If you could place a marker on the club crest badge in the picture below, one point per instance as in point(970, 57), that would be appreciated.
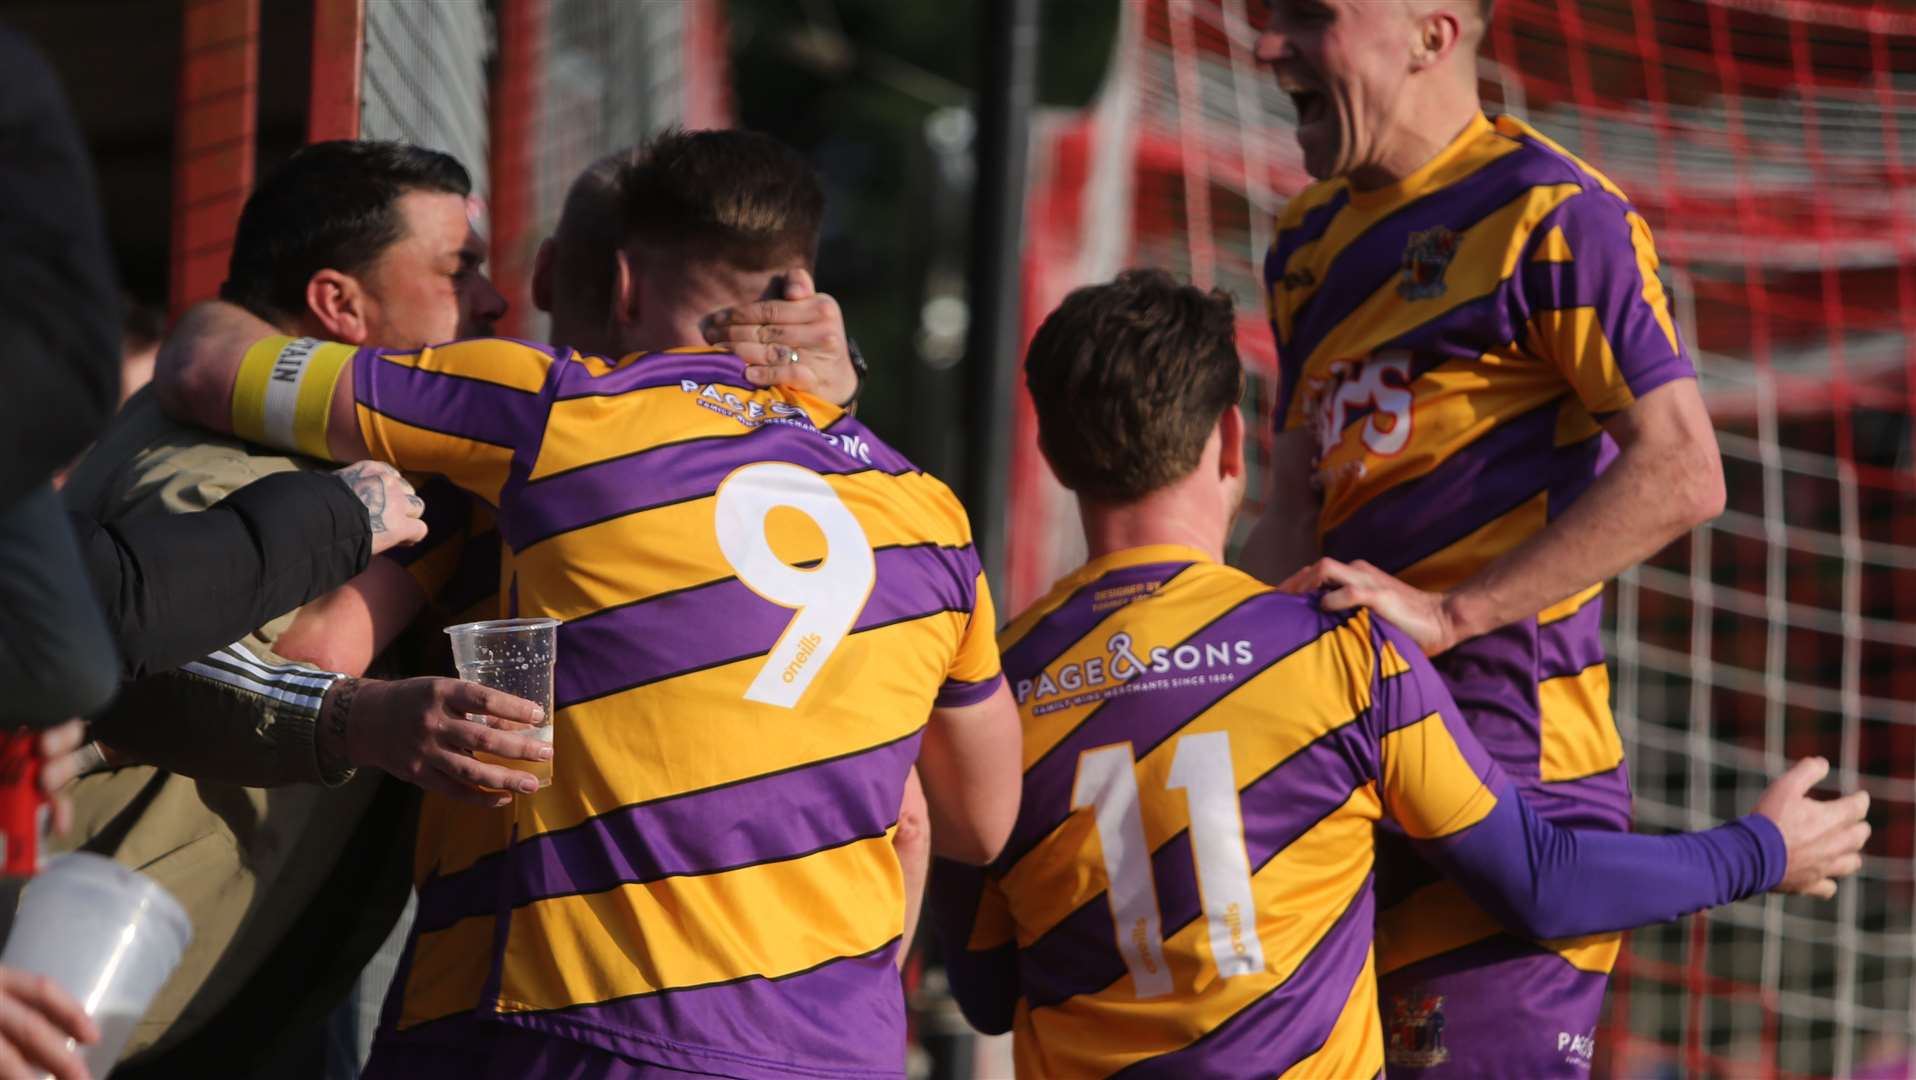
point(1414, 1031)
point(1426, 257)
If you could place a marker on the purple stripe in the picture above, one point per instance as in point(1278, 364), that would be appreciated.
point(957, 693)
point(1493, 679)
point(846, 1017)
point(1601, 801)
point(1311, 228)
point(1056, 633)
point(1375, 258)
point(781, 816)
point(455, 405)
point(696, 628)
point(1477, 484)
point(1577, 467)
point(664, 475)
point(654, 370)
point(1276, 624)
point(1571, 644)
point(883, 457)
point(1079, 955)
point(1291, 1022)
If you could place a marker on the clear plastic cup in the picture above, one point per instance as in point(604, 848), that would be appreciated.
point(516, 656)
point(108, 935)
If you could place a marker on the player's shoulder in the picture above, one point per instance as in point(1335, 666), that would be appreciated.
point(1540, 161)
point(512, 363)
point(1320, 199)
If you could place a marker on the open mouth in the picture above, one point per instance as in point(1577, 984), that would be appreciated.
point(1311, 106)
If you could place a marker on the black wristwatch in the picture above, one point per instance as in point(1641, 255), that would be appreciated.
point(859, 368)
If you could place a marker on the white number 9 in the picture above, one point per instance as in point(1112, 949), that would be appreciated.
point(828, 598)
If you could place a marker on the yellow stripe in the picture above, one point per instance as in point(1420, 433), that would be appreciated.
point(1390, 662)
point(448, 972)
point(313, 410)
point(696, 731)
point(1514, 128)
point(453, 835)
point(1355, 1047)
point(1564, 609)
point(475, 466)
point(596, 567)
point(1065, 587)
point(977, 658)
point(1456, 404)
point(1578, 736)
point(640, 939)
point(1429, 786)
point(249, 387)
point(992, 926)
point(1300, 894)
point(1553, 248)
point(1322, 687)
point(494, 360)
point(1351, 222)
point(1453, 565)
point(1439, 918)
point(1487, 253)
point(1653, 297)
point(1574, 341)
point(585, 430)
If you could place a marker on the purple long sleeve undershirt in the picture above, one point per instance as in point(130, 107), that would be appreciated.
point(1549, 882)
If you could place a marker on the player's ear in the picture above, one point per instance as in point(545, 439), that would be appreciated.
point(625, 290)
point(339, 304)
point(542, 277)
point(1230, 449)
point(1437, 33)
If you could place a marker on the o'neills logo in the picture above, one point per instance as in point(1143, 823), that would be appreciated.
point(807, 645)
point(1126, 669)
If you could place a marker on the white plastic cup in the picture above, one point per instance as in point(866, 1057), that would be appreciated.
point(107, 935)
point(517, 657)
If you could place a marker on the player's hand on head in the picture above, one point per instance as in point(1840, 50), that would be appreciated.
point(798, 342)
point(1420, 614)
point(37, 1020)
point(396, 511)
point(1824, 836)
point(417, 730)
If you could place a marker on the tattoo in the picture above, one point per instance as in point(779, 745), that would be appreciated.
point(370, 489)
point(339, 705)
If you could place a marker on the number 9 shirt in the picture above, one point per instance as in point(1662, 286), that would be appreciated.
point(761, 603)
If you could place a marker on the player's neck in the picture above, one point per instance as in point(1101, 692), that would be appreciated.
point(1169, 516)
point(1423, 132)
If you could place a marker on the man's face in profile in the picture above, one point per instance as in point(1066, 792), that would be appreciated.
point(428, 287)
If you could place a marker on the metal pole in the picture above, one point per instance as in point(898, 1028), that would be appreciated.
point(993, 337)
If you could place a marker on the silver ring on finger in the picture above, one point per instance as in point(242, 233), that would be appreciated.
point(784, 354)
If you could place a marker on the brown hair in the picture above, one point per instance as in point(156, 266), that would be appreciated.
point(738, 197)
point(1128, 379)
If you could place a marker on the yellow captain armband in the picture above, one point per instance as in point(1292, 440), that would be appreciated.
point(284, 396)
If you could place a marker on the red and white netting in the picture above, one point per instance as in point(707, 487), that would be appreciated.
point(1771, 144)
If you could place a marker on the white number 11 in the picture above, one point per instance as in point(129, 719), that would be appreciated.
point(1108, 784)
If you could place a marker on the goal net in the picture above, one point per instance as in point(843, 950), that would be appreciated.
point(1771, 144)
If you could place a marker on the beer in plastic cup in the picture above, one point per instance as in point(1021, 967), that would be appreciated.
point(515, 656)
point(107, 935)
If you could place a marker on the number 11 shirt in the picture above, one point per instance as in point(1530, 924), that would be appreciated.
point(762, 602)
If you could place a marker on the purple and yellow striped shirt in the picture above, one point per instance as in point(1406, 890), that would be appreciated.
point(1452, 343)
point(1188, 890)
point(762, 602)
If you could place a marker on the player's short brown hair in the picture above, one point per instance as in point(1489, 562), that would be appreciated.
point(744, 199)
point(1128, 379)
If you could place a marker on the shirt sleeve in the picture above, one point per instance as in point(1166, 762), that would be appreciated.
point(975, 671)
point(1465, 817)
point(1596, 309)
point(465, 410)
point(973, 924)
point(1434, 777)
